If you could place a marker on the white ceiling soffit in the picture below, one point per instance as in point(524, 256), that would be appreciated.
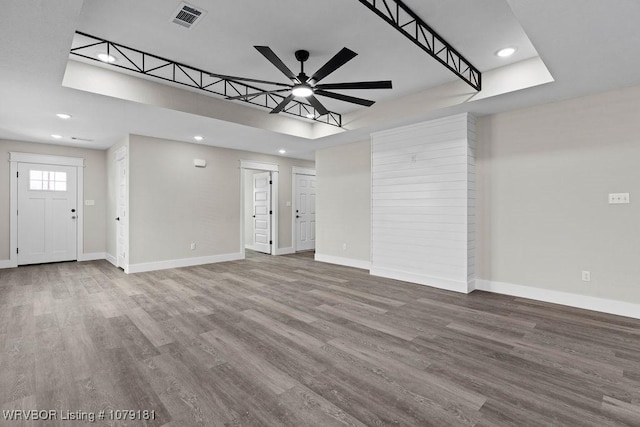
point(128, 86)
point(475, 30)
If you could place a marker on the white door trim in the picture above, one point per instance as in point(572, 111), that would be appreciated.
point(267, 167)
point(296, 170)
point(14, 159)
point(45, 159)
point(261, 166)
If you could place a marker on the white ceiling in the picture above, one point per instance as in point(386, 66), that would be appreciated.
point(587, 45)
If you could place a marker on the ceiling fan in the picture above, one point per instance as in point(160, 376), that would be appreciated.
point(303, 86)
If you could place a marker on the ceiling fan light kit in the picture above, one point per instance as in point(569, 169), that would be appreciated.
point(303, 86)
point(302, 91)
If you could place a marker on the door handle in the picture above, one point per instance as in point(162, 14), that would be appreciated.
point(254, 216)
point(118, 219)
point(297, 216)
point(73, 210)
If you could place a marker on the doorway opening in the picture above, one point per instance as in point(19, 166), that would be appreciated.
point(259, 207)
point(304, 209)
point(46, 204)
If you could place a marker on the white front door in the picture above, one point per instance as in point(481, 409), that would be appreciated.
point(262, 212)
point(305, 212)
point(47, 213)
point(121, 204)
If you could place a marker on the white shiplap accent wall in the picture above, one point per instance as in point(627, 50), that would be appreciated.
point(422, 203)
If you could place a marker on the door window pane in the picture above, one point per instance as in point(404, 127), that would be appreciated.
point(47, 181)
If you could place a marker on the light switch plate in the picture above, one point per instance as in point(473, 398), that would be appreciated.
point(89, 202)
point(618, 198)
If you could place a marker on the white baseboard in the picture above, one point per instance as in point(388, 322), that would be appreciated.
point(349, 262)
point(620, 308)
point(7, 263)
point(92, 256)
point(184, 262)
point(285, 251)
point(434, 282)
point(111, 259)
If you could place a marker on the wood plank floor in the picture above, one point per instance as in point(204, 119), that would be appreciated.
point(289, 341)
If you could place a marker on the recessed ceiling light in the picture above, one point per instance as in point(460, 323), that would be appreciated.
point(55, 136)
point(105, 57)
point(198, 138)
point(282, 151)
point(507, 51)
point(310, 116)
point(64, 116)
point(302, 91)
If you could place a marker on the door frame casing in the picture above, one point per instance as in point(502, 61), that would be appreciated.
point(265, 167)
point(44, 159)
point(296, 170)
point(121, 154)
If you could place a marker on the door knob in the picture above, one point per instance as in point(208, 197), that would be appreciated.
point(297, 216)
point(254, 216)
point(73, 210)
point(118, 219)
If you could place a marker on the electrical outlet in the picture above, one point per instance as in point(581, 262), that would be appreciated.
point(344, 246)
point(586, 276)
point(193, 246)
point(618, 198)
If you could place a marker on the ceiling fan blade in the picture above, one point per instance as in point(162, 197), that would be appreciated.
point(283, 104)
point(245, 79)
point(346, 98)
point(273, 58)
point(249, 95)
point(340, 58)
point(382, 84)
point(317, 105)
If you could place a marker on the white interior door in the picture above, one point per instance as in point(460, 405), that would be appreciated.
point(305, 212)
point(47, 213)
point(262, 212)
point(121, 204)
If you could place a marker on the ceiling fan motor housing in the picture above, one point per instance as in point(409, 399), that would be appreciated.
point(302, 55)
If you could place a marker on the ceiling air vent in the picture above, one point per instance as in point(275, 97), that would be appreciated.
point(187, 15)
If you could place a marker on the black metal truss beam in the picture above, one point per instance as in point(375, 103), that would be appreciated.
point(175, 72)
point(403, 19)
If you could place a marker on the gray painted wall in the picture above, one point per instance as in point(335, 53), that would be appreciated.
point(172, 203)
point(544, 177)
point(343, 201)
